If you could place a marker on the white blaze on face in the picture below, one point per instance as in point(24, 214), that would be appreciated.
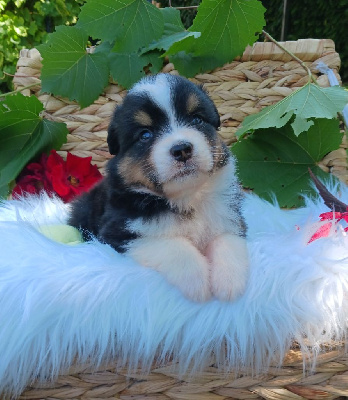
point(168, 168)
point(159, 90)
point(175, 176)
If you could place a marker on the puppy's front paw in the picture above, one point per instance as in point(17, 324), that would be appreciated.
point(179, 261)
point(229, 263)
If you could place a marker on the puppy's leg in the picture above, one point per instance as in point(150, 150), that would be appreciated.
point(178, 260)
point(229, 262)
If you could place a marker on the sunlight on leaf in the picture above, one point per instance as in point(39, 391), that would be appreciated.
point(310, 101)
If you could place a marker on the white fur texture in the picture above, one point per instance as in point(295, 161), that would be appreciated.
point(200, 255)
point(61, 304)
point(213, 213)
point(202, 156)
point(178, 261)
point(229, 261)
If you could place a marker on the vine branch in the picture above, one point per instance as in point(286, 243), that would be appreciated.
point(18, 90)
point(292, 55)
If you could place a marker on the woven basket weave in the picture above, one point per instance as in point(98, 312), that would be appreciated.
point(264, 75)
point(330, 381)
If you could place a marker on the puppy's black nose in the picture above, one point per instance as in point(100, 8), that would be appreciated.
point(182, 151)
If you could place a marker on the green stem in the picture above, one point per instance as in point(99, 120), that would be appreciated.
point(303, 65)
point(18, 90)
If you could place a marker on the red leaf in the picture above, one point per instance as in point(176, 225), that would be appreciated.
point(323, 231)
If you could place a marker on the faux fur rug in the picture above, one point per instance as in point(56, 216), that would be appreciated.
point(60, 304)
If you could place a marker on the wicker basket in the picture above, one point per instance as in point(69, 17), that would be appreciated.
point(262, 76)
point(330, 381)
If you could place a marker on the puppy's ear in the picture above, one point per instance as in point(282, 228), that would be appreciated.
point(215, 117)
point(217, 121)
point(113, 142)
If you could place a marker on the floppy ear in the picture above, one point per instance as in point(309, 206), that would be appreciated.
point(217, 121)
point(113, 142)
point(216, 116)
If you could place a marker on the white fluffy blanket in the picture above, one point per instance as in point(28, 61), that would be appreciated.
point(61, 304)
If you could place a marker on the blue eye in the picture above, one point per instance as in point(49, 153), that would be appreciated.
point(146, 136)
point(197, 120)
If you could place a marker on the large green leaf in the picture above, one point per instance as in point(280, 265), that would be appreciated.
point(226, 27)
point(14, 131)
point(155, 62)
point(190, 65)
point(174, 31)
point(4, 191)
point(21, 103)
point(310, 101)
point(24, 135)
point(127, 69)
point(132, 23)
point(172, 21)
point(165, 42)
point(276, 161)
point(68, 70)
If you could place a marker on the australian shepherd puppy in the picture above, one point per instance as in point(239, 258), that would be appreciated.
point(171, 199)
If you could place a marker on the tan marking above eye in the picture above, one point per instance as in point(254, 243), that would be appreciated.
point(192, 103)
point(143, 118)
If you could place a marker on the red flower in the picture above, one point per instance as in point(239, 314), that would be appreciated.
point(71, 177)
point(54, 175)
point(33, 179)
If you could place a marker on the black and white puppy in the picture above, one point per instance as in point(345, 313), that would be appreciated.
point(171, 199)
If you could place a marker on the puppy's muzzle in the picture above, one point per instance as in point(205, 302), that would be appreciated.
point(182, 151)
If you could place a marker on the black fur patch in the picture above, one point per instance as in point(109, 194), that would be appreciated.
point(124, 130)
point(205, 109)
point(105, 210)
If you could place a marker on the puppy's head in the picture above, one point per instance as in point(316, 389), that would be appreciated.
point(165, 137)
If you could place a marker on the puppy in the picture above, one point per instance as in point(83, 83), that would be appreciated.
point(171, 199)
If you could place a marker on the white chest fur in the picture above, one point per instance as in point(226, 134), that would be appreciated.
point(214, 212)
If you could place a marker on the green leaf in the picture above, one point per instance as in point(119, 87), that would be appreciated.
point(226, 27)
point(185, 45)
point(172, 21)
point(276, 161)
point(15, 131)
point(24, 135)
point(155, 62)
point(132, 23)
point(21, 102)
point(127, 69)
point(165, 42)
point(68, 70)
point(104, 48)
point(174, 31)
point(189, 65)
point(4, 191)
point(310, 101)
